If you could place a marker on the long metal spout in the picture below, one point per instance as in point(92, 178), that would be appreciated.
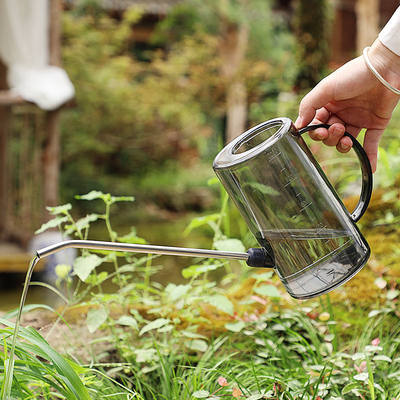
point(140, 248)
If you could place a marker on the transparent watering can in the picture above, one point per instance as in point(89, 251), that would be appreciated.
point(294, 212)
point(304, 230)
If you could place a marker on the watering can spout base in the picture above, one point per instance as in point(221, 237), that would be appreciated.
point(259, 258)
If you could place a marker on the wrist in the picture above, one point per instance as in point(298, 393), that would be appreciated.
point(385, 62)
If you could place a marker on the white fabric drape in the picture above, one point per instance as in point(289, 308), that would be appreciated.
point(24, 48)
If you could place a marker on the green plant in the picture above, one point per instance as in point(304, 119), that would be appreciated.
point(42, 371)
point(209, 337)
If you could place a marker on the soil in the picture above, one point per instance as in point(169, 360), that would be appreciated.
point(72, 339)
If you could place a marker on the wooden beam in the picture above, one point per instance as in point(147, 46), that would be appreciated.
point(5, 116)
point(8, 98)
point(55, 13)
point(51, 158)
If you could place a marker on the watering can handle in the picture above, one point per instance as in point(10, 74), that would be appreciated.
point(367, 180)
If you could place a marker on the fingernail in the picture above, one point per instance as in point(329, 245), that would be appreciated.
point(345, 146)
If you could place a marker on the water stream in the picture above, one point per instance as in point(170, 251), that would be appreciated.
point(10, 364)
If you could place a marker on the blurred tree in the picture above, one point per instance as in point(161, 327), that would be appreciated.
point(247, 35)
point(133, 116)
point(311, 26)
point(130, 116)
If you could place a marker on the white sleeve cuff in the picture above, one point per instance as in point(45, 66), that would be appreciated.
point(390, 34)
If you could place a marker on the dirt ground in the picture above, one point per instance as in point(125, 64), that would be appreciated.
point(72, 339)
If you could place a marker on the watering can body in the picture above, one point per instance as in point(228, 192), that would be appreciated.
point(292, 209)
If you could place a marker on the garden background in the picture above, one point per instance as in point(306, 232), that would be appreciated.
point(158, 93)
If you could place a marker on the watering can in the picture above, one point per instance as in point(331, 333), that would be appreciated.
point(305, 232)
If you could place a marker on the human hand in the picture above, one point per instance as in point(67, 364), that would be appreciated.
point(352, 98)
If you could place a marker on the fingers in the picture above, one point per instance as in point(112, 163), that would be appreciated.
point(317, 98)
point(332, 135)
point(344, 145)
point(321, 117)
point(335, 132)
point(371, 142)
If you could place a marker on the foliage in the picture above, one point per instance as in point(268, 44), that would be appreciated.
point(268, 67)
point(199, 339)
point(311, 26)
point(42, 371)
point(126, 121)
point(132, 115)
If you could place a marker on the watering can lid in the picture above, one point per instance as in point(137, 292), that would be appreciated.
point(230, 156)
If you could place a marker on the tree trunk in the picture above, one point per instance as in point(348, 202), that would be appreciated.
point(233, 49)
point(236, 110)
point(367, 12)
point(311, 27)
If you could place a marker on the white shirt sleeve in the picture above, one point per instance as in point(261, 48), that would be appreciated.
point(390, 34)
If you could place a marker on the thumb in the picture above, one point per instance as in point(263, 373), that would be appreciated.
point(371, 142)
point(317, 98)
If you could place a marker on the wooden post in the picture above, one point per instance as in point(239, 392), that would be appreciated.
point(367, 12)
point(51, 151)
point(5, 114)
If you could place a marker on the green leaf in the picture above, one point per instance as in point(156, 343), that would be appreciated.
point(192, 335)
point(176, 291)
point(392, 294)
point(220, 302)
point(267, 290)
point(201, 394)
point(197, 345)
point(53, 223)
point(82, 223)
point(144, 355)
point(63, 209)
point(381, 357)
point(264, 189)
point(95, 318)
point(200, 221)
point(213, 181)
point(349, 387)
point(235, 326)
point(256, 396)
point(165, 328)
point(73, 384)
point(235, 245)
point(93, 195)
point(84, 265)
point(127, 320)
point(374, 313)
point(363, 377)
point(265, 276)
point(131, 237)
point(196, 270)
point(97, 279)
point(157, 323)
point(121, 198)
point(85, 222)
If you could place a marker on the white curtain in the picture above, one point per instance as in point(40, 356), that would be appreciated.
point(24, 48)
